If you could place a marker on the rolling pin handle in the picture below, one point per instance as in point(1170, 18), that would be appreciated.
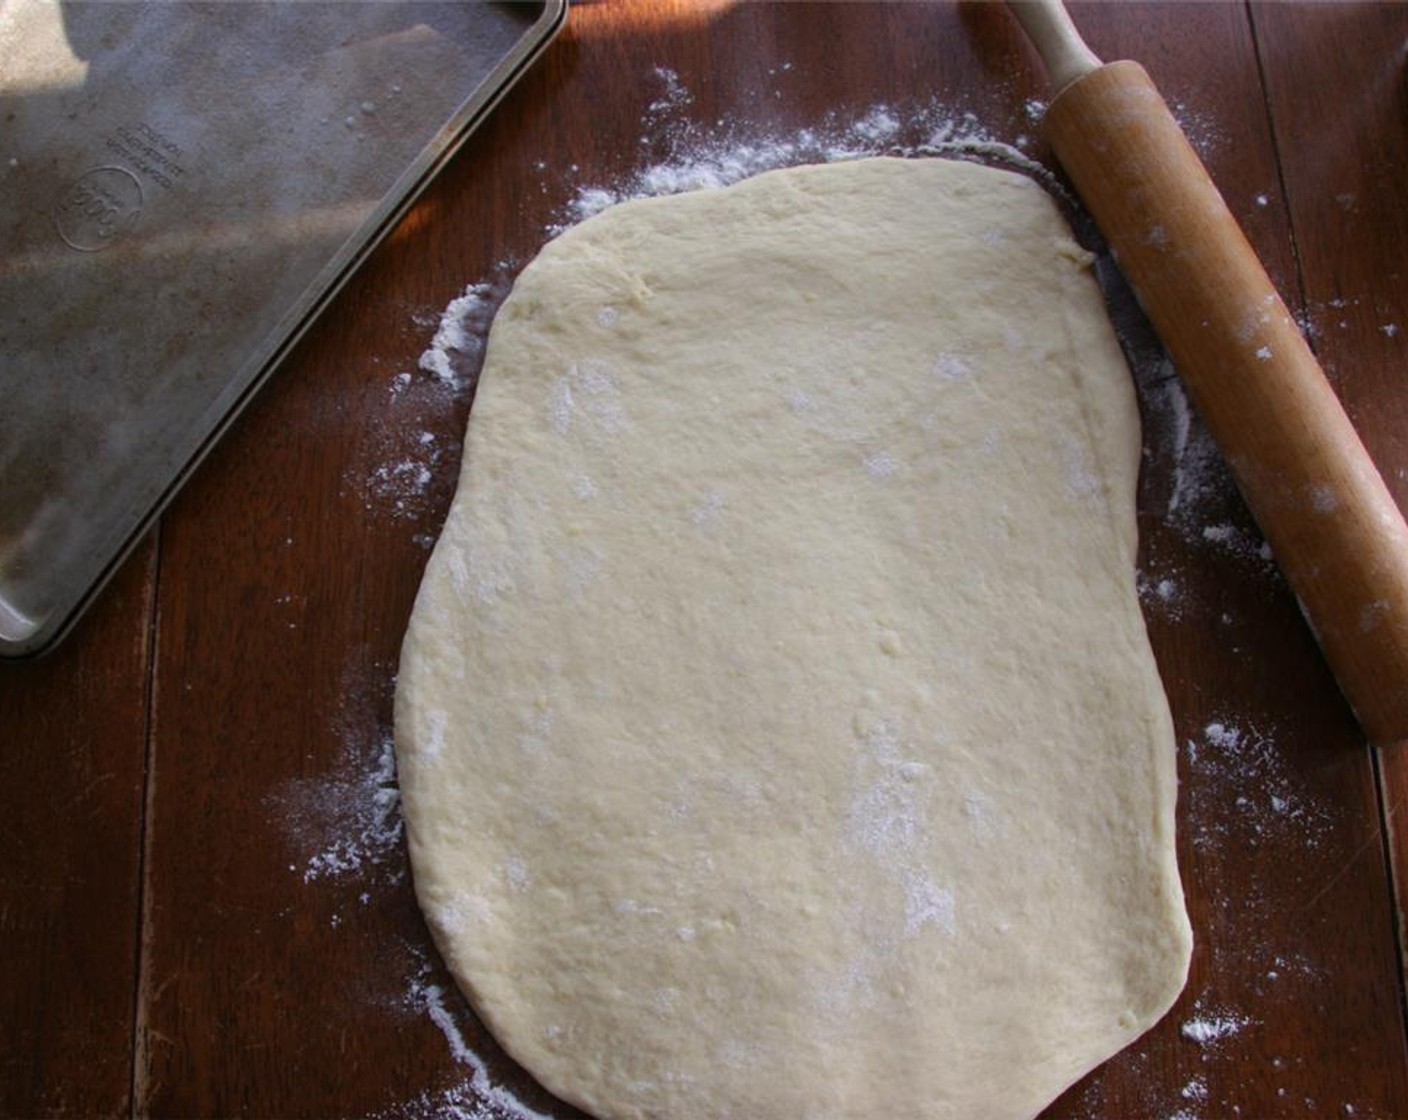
point(1048, 25)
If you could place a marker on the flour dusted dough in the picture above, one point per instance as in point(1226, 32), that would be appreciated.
point(777, 728)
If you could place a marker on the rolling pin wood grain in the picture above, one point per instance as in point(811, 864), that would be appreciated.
point(1335, 529)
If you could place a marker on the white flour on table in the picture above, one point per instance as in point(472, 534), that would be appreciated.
point(1242, 792)
point(1207, 1030)
point(475, 1098)
point(345, 824)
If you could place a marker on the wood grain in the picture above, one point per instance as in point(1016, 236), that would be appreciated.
point(286, 970)
point(280, 966)
point(72, 764)
point(1336, 90)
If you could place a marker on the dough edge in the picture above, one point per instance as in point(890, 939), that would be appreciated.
point(410, 722)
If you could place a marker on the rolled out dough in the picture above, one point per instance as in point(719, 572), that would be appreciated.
point(777, 728)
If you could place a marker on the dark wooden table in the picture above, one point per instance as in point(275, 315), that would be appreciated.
point(205, 907)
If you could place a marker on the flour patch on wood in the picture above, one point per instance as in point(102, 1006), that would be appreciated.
point(459, 335)
point(1246, 793)
point(344, 823)
point(1208, 1029)
point(696, 156)
point(476, 1095)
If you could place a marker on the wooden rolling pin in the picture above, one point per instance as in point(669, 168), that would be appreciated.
point(1333, 525)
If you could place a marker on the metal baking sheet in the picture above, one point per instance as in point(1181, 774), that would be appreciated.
point(185, 186)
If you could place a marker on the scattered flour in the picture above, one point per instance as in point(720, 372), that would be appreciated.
point(348, 822)
point(459, 336)
point(1242, 792)
point(1239, 542)
point(402, 475)
point(1204, 132)
point(1200, 476)
point(1200, 504)
point(696, 157)
point(879, 126)
point(400, 481)
point(475, 1097)
point(881, 465)
point(1195, 1090)
point(709, 510)
point(889, 818)
point(1205, 1030)
point(458, 1102)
